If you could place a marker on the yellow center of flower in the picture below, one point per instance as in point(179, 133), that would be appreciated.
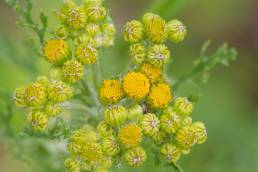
point(159, 96)
point(55, 50)
point(136, 85)
point(130, 135)
point(152, 72)
point(111, 91)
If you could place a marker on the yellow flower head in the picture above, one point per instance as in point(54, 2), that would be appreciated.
point(130, 136)
point(136, 85)
point(135, 157)
point(159, 96)
point(137, 53)
point(35, 94)
point(152, 72)
point(170, 152)
point(176, 31)
point(111, 91)
point(150, 124)
point(158, 55)
point(72, 71)
point(155, 28)
point(92, 152)
point(133, 31)
point(96, 12)
point(55, 51)
point(59, 91)
point(87, 54)
point(38, 120)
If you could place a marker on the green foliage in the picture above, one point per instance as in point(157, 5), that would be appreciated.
point(26, 20)
point(205, 63)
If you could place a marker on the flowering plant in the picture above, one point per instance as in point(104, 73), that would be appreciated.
point(126, 117)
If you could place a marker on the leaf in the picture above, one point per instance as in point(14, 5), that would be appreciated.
point(43, 19)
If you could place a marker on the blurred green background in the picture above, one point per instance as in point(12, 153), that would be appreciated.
point(228, 105)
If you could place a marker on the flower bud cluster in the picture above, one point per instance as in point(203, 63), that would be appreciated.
point(148, 37)
point(75, 43)
point(43, 99)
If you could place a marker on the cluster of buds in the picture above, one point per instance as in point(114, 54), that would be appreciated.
point(43, 98)
point(147, 38)
point(83, 30)
point(140, 106)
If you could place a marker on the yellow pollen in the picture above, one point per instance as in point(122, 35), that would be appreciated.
point(111, 91)
point(160, 96)
point(136, 85)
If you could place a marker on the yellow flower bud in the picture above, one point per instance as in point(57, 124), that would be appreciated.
point(111, 91)
point(19, 97)
point(186, 137)
point(110, 146)
point(182, 106)
point(96, 12)
point(86, 54)
point(159, 96)
point(43, 80)
point(72, 71)
point(75, 18)
point(115, 115)
point(176, 31)
point(201, 132)
point(135, 157)
point(92, 152)
point(150, 124)
point(186, 121)
point(56, 51)
point(105, 130)
point(130, 135)
point(38, 120)
point(72, 165)
point(35, 94)
point(155, 28)
point(170, 152)
point(52, 109)
point(92, 29)
point(108, 28)
point(133, 31)
point(170, 121)
point(134, 112)
point(159, 137)
point(158, 55)
point(59, 91)
point(137, 53)
point(136, 85)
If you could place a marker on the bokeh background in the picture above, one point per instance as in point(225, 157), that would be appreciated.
point(229, 101)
